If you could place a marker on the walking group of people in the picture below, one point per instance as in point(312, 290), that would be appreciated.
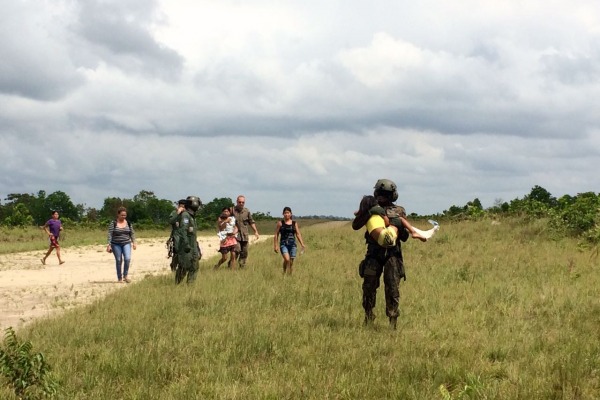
point(233, 229)
point(121, 240)
point(385, 222)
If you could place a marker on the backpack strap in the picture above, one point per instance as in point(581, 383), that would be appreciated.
point(115, 224)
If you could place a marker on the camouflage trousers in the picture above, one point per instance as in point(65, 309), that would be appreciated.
point(371, 270)
point(187, 264)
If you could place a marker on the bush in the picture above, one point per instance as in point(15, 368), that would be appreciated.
point(26, 373)
point(579, 217)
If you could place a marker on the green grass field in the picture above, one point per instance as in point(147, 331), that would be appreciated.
point(488, 311)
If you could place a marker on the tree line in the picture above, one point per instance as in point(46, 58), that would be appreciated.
point(577, 216)
point(145, 210)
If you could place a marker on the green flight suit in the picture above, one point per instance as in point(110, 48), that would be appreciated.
point(387, 262)
point(186, 247)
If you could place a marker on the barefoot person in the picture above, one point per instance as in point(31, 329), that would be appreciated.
point(53, 227)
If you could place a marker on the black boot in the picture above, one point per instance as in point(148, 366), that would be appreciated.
point(369, 318)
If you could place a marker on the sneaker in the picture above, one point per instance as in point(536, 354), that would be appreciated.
point(127, 280)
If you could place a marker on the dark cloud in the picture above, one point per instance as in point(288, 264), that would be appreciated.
point(119, 35)
point(35, 63)
point(295, 105)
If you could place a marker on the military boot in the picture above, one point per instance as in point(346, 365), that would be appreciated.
point(369, 318)
point(179, 274)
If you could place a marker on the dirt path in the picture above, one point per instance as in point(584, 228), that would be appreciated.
point(30, 290)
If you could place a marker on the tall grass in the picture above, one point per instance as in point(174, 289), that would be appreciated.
point(487, 311)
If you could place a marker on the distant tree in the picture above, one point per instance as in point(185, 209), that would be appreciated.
point(499, 207)
point(38, 209)
point(454, 211)
point(474, 208)
point(91, 214)
point(34, 205)
point(61, 202)
point(541, 195)
point(580, 216)
point(210, 212)
point(110, 206)
point(19, 217)
point(260, 216)
point(159, 210)
point(566, 201)
point(476, 203)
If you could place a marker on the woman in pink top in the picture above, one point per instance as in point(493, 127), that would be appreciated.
point(227, 231)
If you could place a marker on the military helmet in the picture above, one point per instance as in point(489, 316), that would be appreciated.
point(387, 188)
point(193, 203)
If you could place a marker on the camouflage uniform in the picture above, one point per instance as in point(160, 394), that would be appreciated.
point(243, 219)
point(387, 261)
point(186, 247)
point(174, 222)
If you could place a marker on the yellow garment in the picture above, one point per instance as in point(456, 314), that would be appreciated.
point(387, 237)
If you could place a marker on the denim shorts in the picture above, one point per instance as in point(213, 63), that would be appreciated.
point(288, 248)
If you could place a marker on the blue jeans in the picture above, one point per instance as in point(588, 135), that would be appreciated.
point(121, 251)
point(288, 247)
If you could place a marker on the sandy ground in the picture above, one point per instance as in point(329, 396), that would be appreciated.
point(30, 290)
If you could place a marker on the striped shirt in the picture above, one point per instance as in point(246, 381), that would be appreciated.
point(118, 235)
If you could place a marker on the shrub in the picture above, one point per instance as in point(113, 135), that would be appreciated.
point(27, 373)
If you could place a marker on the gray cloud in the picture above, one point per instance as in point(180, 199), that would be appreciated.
point(119, 34)
point(303, 104)
point(35, 62)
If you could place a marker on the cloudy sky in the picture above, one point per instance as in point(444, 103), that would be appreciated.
point(300, 103)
